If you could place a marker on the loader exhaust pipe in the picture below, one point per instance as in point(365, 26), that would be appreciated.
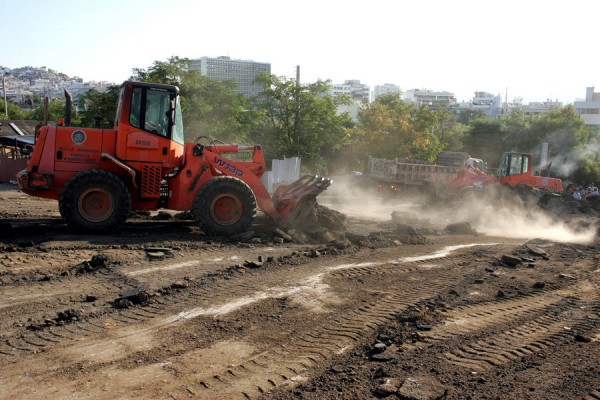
point(68, 107)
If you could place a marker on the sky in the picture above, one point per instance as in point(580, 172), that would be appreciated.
point(529, 49)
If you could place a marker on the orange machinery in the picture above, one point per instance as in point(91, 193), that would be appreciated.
point(515, 168)
point(99, 175)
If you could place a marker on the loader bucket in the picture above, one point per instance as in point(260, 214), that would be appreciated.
point(295, 202)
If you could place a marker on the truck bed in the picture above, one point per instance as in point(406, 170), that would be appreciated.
point(409, 173)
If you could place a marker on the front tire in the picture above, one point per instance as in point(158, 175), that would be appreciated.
point(224, 206)
point(95, 201)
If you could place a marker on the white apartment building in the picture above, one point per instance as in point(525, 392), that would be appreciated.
point(489, 104)
point(589, 109)
point(386, 88)
point(359, 92)
point(539, 107)
point(430, 98)
point(243, 72)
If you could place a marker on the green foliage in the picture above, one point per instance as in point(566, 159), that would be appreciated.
point(299, 120)
point(56, 110)
point(465, 116)
point(293, 119)
point(561, 128)
point(390, 128)
point(485, 140)
point(170, 72)
point(587, 171)
point(14, 112)
point(449, 130)
point(97, 104)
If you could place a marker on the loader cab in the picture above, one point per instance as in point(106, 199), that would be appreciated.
point(149, 126)
point(516, 169)
point(515, 164)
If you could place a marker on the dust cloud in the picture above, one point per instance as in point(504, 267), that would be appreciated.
point(565, 163)
point(493, 211)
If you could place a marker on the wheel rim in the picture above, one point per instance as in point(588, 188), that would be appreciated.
point(96, 204)
point(226, 209)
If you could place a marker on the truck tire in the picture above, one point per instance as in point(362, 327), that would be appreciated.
point(95, 201)
point(224, 206)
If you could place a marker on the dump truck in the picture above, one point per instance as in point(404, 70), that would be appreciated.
point(456, 170)
point(143, 163)
point(401, 175)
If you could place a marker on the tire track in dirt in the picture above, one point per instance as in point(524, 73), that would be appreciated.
point(595, 395)
point(478, 317)
point(105, 284)
point(536, 324)
point(336, 336)
point(132, 331)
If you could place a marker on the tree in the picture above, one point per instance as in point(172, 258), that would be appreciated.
point(485, 140)
point(561, 128)
point(299, 120)
point(465, 116)
point(99, 104)
point(515, 130)
point(449, 130)
point(14, 112)
point(56, 110)
point(390, 128)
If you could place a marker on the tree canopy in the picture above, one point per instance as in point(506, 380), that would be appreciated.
point(301, 120)
point(390, 128)
point(290, 118)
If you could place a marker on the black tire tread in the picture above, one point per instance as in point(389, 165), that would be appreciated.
point(215, 186)
point(67, 202)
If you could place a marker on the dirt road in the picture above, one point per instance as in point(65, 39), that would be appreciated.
point(158, 310)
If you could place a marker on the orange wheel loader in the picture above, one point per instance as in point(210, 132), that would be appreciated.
point(99, 175)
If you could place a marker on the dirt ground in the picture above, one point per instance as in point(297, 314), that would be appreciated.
point(404, 307)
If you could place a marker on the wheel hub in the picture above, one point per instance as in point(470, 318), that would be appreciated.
point(226, 209)
point(96, 204)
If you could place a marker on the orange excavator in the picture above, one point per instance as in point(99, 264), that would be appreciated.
point(99, 175)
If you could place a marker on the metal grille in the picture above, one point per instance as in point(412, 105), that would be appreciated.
point(151, 179)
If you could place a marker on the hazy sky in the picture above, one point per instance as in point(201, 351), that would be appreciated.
point(532, 49)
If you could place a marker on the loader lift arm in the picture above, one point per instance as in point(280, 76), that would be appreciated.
point(220, 209)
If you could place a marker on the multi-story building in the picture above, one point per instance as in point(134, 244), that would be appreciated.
point(359, 92)
point(386, 88)
point(433, 100)
point(589, 109)
point(243, 72)
point(490, 105)
point(539, 107)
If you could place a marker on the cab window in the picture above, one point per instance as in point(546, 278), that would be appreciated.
point(150, 109)
point(157, 108)
point(518, 164)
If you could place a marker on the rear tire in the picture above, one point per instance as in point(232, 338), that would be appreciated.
point(95, 201)
point(224, 206)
